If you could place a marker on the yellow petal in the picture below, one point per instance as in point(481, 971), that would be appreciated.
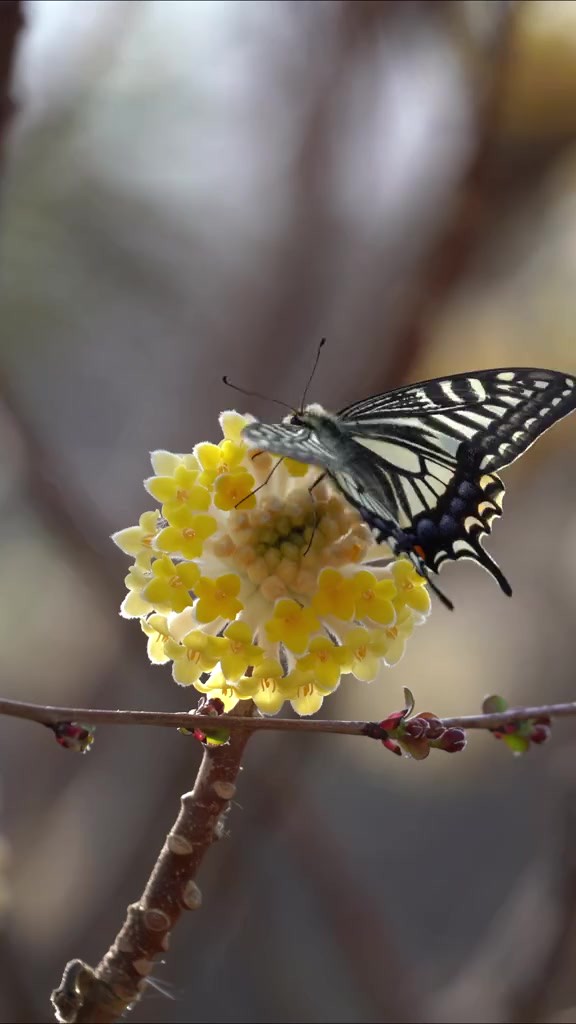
point(163, 488)
point(395, 651)
point(134, 606)
point(169, 539)
point(186, 672)
point(307, 702)
point(419, 599)
point(164, 463)
point(246, 686)
point(367, 668)
point(156, 649)
point(269, 700)
point(239, 631)
point(129, 540)
point(232, 423)
point(296, 468)
point(189, 573)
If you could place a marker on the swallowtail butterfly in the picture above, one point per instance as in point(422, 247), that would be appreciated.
point(421, 463)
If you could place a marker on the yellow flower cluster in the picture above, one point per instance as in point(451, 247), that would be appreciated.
point(254, 587)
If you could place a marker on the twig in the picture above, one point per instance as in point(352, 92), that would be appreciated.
point(87, 996)
point(51, 715)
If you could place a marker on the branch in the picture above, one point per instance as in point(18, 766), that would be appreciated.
point(102, 995)
point(51, 715)
point(11, 23)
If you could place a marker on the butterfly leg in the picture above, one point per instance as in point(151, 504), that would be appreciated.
point(422, 569)
point(260, 486)
point(315, 524)
point(317, 481)
point(416, 554)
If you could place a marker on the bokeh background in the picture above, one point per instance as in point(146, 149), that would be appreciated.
point(199, 188)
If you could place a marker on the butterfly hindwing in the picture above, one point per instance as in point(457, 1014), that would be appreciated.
point(453, 528)
point(457, 527)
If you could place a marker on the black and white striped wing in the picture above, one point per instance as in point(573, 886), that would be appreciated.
point(443, 517)
point(433, 451)
point(498, 413)
point(293, 441)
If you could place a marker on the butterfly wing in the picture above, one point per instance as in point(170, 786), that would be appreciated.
point(498, 413)
point(293, 441)
point(436, 447)
point(430, 528)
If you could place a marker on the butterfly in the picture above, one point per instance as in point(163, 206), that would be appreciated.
point(421, 463)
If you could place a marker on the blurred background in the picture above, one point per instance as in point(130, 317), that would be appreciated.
point(199, 188)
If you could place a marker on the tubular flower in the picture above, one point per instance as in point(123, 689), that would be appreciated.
point(253, 587)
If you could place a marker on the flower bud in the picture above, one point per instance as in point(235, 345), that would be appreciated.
point(74, 736)
point(452, 741)
point(434, 727)
point(540, 733)
point(416, 728)
point(393, 721)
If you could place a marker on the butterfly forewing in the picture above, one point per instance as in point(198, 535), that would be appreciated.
point(293, 442)
point(499, 412)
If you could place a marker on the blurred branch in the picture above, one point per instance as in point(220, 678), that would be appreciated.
point(387, 984)
point(11, 23)
point(527, 954)
point(542, 988)
point(355, 919)
point(51, 715)
point(451, 256)
point(63, 511)
point(17, 993)
point(302, 278)
point(101, 996)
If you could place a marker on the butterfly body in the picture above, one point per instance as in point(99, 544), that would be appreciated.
point(421, 463)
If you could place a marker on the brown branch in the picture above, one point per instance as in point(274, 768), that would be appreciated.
point(11, 23)
point(51, 715)
point(101, 996)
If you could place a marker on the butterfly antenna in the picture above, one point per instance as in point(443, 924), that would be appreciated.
point(445, 600)
point(311, 377)
point(315, 514)
point(255, 394)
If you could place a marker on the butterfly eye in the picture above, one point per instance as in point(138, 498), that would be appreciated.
point(296, 421)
